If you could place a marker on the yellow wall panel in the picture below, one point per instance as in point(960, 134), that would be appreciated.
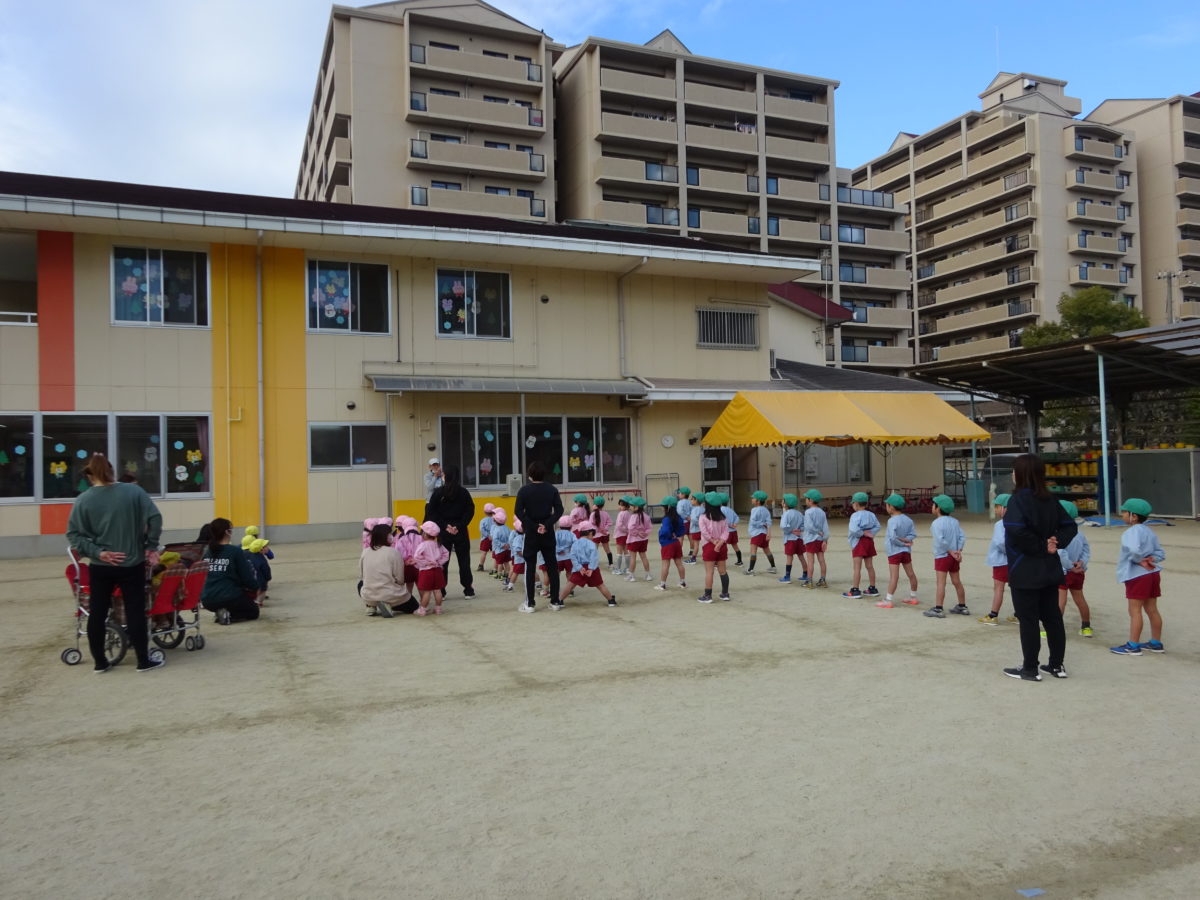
point(285, 384)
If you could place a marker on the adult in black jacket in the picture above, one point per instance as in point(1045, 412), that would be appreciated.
point(1035, 527)
point(452, 508)
point(538, 506)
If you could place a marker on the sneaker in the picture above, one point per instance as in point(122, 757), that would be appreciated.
point(705, 598)
point(437, 610)
point(155, 663)
point(420, 611)
point(1023, 674)
point(470, 591)
point(786, 579)
point(382, 609)
point(1087, 632)
point(821, 583)
point(100, 670)
point(885, 604)
point(1056, 671)
point(935, 612)
point(508, 586)
point(852, 594)
point(1153, 646)
point(808, 584)
point(960, 610)
point(649, 578)
point(871, 591)
point(750, 572)
point(804, 582)
point(556, 605)
point(223, 617)
point(772, 571)
point(1127, 649)
point(661, 587)
point(911, 601)
point(612, 601)
point(479, 568)
point(682, 584)
point(1012, 619)
point(631, 578)
point(526, 607)
point(725, 597)
point(990, 620)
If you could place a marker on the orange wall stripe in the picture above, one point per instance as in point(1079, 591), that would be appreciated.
point(56, 322)
point(55, 515)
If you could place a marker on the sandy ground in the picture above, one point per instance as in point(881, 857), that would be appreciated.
point(787, 744)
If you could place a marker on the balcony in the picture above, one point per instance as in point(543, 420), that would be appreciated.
point(980, 196)
point(637, 84)
point(638, 128)
point(445, 156)
point(722, 182)
point(893, 174)
point(977, 228)
point(887, 279)
point(983, 256)
point(1191, 155)
point(881, 317)
point(893, 357)
point(992, 284)
point(806, 232)
point(1187, 187)
point(797, 110)
point(724, 223)
point(998, 157)
point(1094, 212)
point(720, 97)
point(620, 213)
point(478, 203)
point(992, 127)
point(339, 193)
point(1188, 217)
point(340, 151)
point(1095, 181)
point(1076, 147)
point(459, 112)
point(797, 151)
point(951, 176)
point(800, 191)
point(726, 139)
point(974, 348)
point(1189, 249)
point(1099, 246)
point(474, 66)
point(980, 317)
point(1084, 276)
point(880, 239)
point(941, 153)
point(1189, 309)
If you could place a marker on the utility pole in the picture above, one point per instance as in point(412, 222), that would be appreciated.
point(1169, 278)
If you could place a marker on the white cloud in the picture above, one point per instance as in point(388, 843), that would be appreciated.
point(1176, 34)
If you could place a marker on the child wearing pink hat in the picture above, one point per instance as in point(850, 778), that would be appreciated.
point(406, 544)
point(516, 546)
point(501, 535)
point(485, 534)
point(429, 558)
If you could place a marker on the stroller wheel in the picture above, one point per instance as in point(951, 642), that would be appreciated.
point(156, 655)
point(169, 639)
point(71, 656)
point(189, 643)
point(199, 642)
point(115, 644)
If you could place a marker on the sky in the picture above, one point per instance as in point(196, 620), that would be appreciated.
point(215, 94)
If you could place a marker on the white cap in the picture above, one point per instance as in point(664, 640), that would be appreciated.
point(433, 461)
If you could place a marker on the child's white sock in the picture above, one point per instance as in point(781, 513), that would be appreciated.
point(889, 598)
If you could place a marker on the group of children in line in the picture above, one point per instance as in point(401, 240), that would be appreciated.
point(709, 526)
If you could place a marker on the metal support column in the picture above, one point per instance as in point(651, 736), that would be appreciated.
point(1033, 413)
point(1104, 439)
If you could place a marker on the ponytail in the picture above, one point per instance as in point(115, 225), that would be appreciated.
point(596, 517)
point(99, 469)
point(219, 530)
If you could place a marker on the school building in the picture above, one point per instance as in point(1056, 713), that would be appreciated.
point(294, 364)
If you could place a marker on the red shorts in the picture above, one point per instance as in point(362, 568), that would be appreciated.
point(1074, 581)
point(1144, 587)
point(602, 539)
point(761, 540)
point(502, 558)
point(732, 539)
point(518, 568)
point(673, 550)
point(693, 535)
point(899, 559)
point(864, 549)
point(636, 546)
point(1000, 573)
point(410, 574)
point(485, 545)
point(595, 579)
point(710, 553)
point(791, 548)
point(621, 542)
point(945, 564)
point(431, 580)
point(813, 547)
point(565, 565)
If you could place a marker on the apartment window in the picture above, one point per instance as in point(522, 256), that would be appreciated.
point(1123, 179)
point(773, 226)
point(348, 297)
point(499, 191)
point(446, 138)
point(927, 271)
point(693, 217)
point(418, 149)
point(852, 234)
point(847, 194)
point(1016, 179)
point(495, 54)
point(752, 184)
point(817, 464)
point(525, 104)
point(537, 208)
point(753, 224)
point(1081, 174)
point(524, 148)
point(1013, 212)
point(18, 443)
point(159, 287)
point(1124, 211)
point(446, 185)
point(416, 53)
point(333, 445)
point(497, 145)
point(772, 185)
point(444, 92)
point(853, 273)
point(420, 196)
point(1125, 242)
point(528, 195)
point(693, 176)
point(1126, 273)
point(729, 329)
point(416, 100)
point(536, 119)
point(441, 45)
point(524, 59)
point(488, 98)
point(473, 304)
point(661, 215)
point(1017, 274)
point(662, 172)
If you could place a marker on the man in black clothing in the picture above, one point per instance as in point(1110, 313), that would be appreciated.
point(452, 508)
point(538, 507)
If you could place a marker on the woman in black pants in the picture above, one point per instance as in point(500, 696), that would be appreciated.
point(538, 506)
point(452, 509)
point(1035, 527)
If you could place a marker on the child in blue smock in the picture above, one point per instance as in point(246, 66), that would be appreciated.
point(948, 543)
point(585, 566)
point(897, 545)
point(1075, 557)
point(997, 558)
point(816, 538)
point(791, 525)
point(760, 531)
point(1138, 568)
point(862, 530)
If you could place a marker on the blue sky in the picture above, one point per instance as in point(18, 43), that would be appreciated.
point(214, 94)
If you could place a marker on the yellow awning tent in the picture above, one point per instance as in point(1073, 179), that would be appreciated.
point(837, 418)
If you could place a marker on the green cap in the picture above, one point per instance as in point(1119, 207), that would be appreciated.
point(724, 499)
point(597, 501)
point(760, 496)
point(712, 498)
point(1071, 508)
point(637, 501)
point(814, 495)
point(668, 501)
point(686, 491)
point(895, 501)
point(1002, 500)
point(1136, 506)
point(944, 503)
point(860, 497)
point(791, 501)
point(624, 498)
point(580, 498)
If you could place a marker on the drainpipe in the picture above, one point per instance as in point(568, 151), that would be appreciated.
point(621, 312)
point(262, 458)
point(387, 429)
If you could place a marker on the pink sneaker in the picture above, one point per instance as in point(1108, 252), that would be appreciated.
point(885, 604)
point(419, 611)
point(437, 610)
point(911, 601)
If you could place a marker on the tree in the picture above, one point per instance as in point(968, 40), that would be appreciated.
point(1089, 312)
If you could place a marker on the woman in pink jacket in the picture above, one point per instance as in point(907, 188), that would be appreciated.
point(429, 557)
point(638, 538)
point(714, 532)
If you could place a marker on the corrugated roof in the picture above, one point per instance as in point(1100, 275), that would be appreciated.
point(826, 378)
point(809, 301)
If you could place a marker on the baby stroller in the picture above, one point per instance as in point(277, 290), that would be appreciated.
point(116, 641)
point(175, 607)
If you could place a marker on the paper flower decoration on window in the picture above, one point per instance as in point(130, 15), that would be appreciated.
point(151, 454)
point(589, 460)
point(485, 466)
point(458, 288)
point(447, 304)
point(181, 473)
point(183, 301)
point(573, 462)
point(330, 310)
point(194, 457)
point(462, 315)
point(131, 467)
point(58, 469)
point(129, 286)
point(331, 289)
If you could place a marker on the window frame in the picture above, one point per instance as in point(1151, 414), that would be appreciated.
point(351, 466)
point(112, 287)
point(389, 300)
point(753, 313)
point(442, 335)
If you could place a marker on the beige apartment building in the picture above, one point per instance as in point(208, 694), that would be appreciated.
point(651, 136)
point(1013, 205)
point(439, 104)
point(1168, 169)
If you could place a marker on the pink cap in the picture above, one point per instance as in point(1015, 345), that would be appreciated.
point(431, 529)
point(368, 524)
point(488, 507)
point(583, 526)
point(517, 526)
point(499, 516)
point(386, 520)
point(407, 522)
point(564, 522)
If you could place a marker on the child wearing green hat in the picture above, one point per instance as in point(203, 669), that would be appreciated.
point(582, 510)
point(948, 543)
point(713, 532)
point(603, 522)
point(816, 538)
point(1075, 557)
point(1138, 568)
point(791, 525)
point(620, 535)
point(862, 530)
point(638, 538)
point(669, 533)
point(760, 531)
point(997, 558)
point(897, 544)
point(731, 523)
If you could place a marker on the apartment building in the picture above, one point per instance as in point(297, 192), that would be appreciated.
point(1013, 205)
point(651, 136)
point(1168, 169)
point(433, 104)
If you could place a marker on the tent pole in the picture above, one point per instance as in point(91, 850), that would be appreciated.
point(1103, 438)
point(974, 445)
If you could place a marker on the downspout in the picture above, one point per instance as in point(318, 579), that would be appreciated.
point(387, 429)
point(621, 313)
point(262, 458)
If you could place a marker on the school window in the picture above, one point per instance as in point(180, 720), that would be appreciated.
point(346, 446)
point(159, 287)
point(473, 304)
point(818, 464)
point(347, 297)
point(729, 329)
point(481, 446)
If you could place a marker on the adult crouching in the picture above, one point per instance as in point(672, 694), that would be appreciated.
point(231, 587)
